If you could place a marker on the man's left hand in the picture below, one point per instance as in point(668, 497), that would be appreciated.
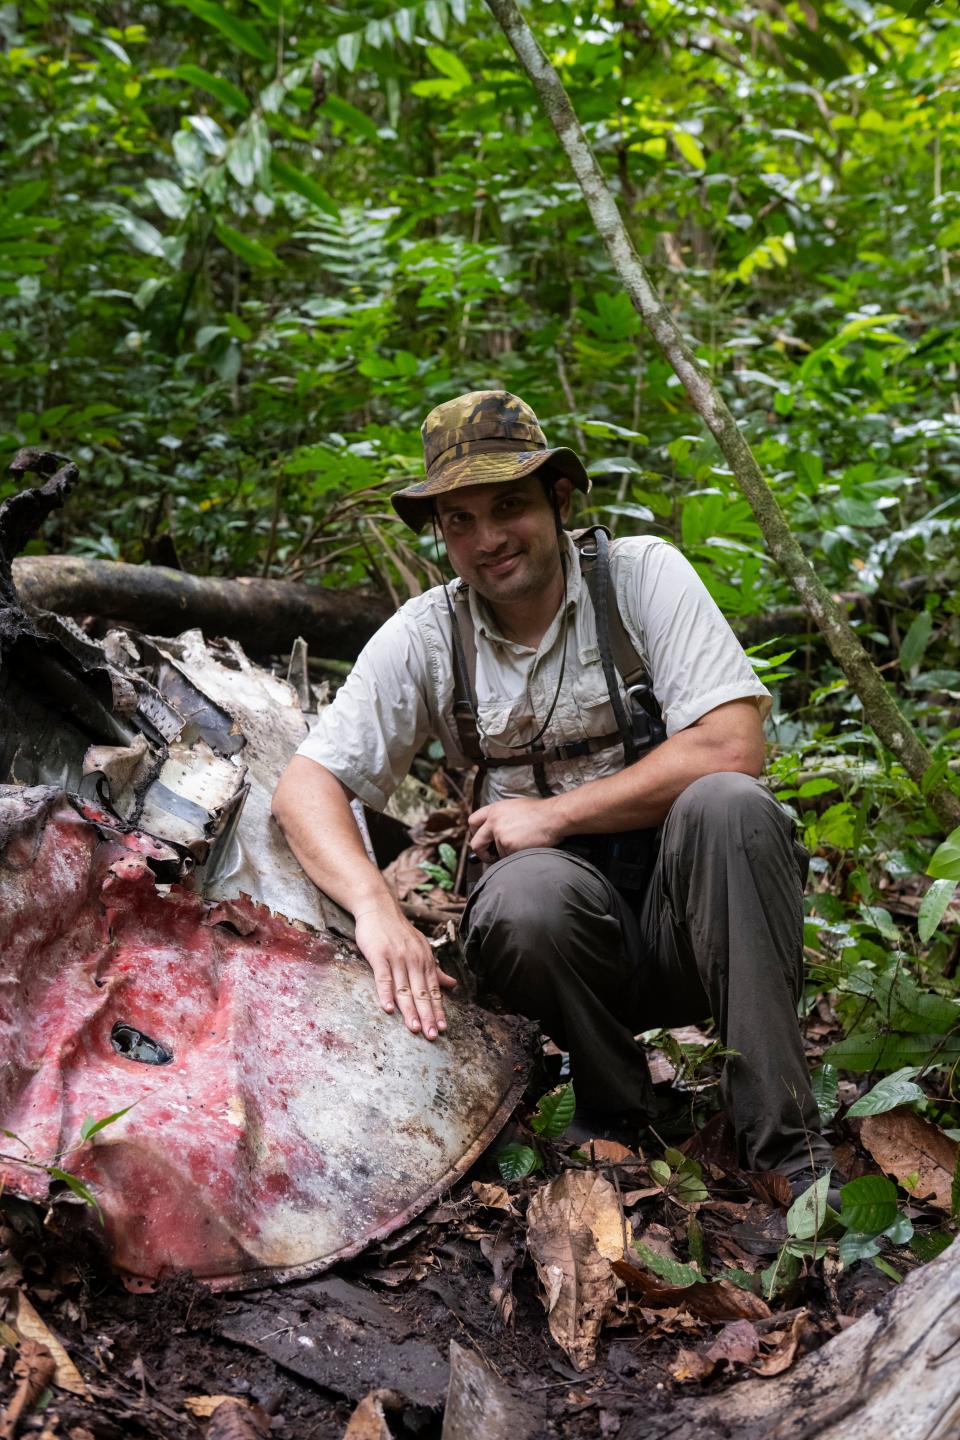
point(511, 825)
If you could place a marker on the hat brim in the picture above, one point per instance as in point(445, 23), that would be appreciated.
point(414, 504)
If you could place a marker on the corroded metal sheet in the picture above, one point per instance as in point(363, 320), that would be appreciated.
point(293, 1123)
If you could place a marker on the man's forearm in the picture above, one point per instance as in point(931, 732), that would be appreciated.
point(313, 810)
point(641, 795)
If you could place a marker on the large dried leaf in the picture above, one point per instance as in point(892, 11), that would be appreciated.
point(905, 1145)
point(368, 1422)
point(574, 1231)
point(707, 1299)
point(737, 1344)
point(30, 1326)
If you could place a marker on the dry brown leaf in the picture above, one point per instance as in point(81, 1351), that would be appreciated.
point(633, 1197)
point(368, 1421)
point(66, 1376)
point(738, 1343)
point(707, 1299)
point(574, 1229)
point(495, 1197)
point(32, 1372)
point(404, 874)
point(771, 1187)
point(502, 1255)
point(236, 1420)
point(691, 1365)
point(203, 1406)
point(904, 1144)
point(611, 1152)
point(783, 1356)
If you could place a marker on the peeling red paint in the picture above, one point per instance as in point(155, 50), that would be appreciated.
point(294, 1124)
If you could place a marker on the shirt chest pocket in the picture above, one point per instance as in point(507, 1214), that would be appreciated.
point(591, 696)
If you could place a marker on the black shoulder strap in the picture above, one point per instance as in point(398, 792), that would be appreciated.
point(465, 676)
point(627, 659)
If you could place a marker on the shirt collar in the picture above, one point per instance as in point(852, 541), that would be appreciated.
point(486, 626)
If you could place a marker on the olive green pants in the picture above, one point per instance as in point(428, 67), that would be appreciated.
point(719, 932)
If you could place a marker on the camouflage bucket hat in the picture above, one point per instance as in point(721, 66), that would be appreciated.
point(488, 437)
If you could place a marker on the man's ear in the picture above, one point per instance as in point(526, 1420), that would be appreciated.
point(563, 489)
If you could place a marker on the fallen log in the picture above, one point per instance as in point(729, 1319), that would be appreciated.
point(894, 1373)
point(266, 616)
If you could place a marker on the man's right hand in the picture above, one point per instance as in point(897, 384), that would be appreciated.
point(404, 967)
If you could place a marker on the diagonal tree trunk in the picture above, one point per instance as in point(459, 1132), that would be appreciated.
point(880, 707)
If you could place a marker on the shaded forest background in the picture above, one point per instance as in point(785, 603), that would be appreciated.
point(244, 249)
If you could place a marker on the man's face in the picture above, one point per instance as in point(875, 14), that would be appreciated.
point(501, 539)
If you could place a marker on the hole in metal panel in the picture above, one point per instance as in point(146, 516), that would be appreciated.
point(132, 1044)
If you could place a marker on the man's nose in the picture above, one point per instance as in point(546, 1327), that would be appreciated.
point(490, 534)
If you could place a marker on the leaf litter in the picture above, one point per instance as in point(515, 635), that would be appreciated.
point(593, 1282)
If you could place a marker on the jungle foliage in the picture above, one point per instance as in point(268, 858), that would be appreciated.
point(245, 247)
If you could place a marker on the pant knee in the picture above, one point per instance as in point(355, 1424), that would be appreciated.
point(725, 794)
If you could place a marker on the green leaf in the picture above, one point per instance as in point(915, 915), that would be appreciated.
point(250, 251)
point(91, 1126)
point(888, 1093)
point(945, 864)
point(690, 148)
point(874, 1050)
point(223, 90)
point(915, 641)
point(869, 1204)
point(304, 185)
point(173, 201)
point(673, 1271)
point(928, 1244)
point(934, 906)
point(348, 48)
point(77, 1186)
point(449, 857)
point(820, 785)
point(241, 33)
point(855, 1246)
point(450, 65)
point(824, 1083)
point(515, 1161)
point(808, 1213)
point(248, 153)
point(554, 1112)
point(348, 114)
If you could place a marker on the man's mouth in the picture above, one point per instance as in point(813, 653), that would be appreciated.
point(502, 565)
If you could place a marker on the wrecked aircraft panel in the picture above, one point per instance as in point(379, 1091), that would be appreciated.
point(279, 1122)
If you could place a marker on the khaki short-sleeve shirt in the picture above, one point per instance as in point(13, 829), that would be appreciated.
point(400, 692)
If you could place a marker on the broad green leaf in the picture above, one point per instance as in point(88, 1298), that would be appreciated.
point(673, 1271)
point(515, 1161)
point(928, 1244)
point(888, 1093)
point(819, 785)
point(824, 1082)
point(304, 185)
point(873, 1050)
point(91, 1126)
point(808, 1213)
point(173, 201)
point(450, 65)
point(348, 48)
point(347, 114)
point(242, 33)
point(250, 251)
point(933, 907)
point(607, 430)
point(248, 153)
point(886, 1268)
point(855, 1245)
point(554, 1112)
point(435, 14)
point(945, 863)
point(660, 1172)
point(690, 148)
point(915, 641)
point(223, 90)
point(869, 1204)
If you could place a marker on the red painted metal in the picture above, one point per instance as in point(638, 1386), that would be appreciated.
point(295, 1123)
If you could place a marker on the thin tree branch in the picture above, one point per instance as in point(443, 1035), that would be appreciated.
point(880, 707)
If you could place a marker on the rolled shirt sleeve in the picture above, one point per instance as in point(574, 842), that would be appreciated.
point(379, 717)
point(695, 661)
